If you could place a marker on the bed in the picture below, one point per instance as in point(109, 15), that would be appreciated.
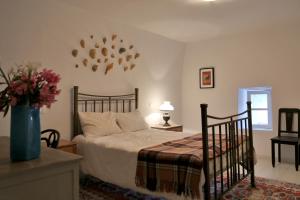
point(105, 157)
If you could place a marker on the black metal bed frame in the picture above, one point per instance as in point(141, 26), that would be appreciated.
point(238, 164)
point(100, 103)
point(230, 127)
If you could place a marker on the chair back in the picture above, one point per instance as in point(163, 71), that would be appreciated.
point(52, 137)
point(289, 121)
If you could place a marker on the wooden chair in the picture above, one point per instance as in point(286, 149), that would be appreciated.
point(287, 134)
point(52, 137)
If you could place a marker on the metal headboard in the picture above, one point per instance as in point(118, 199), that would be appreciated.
point(99, 103)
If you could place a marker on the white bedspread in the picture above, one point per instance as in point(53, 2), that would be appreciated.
point(113, 158)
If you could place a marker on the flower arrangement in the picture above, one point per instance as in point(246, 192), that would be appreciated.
point(27, 86)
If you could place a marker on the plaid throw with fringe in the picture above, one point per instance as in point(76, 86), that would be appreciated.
point(175, 166)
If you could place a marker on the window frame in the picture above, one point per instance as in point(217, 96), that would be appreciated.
point(268, 92)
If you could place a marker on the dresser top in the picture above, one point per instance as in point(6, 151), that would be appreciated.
point(49, 157)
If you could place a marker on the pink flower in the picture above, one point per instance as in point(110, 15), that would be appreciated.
point(13, 101)
point(19, 87)
point(39, 88)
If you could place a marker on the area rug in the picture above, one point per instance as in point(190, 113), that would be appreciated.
point(266, 189)
point(95, 189)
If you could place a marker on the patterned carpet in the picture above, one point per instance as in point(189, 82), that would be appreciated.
point(266, 189)
point(94, 189)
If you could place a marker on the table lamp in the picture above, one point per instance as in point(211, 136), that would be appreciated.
point(166, 107)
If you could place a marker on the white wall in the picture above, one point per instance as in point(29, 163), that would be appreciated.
point(47, 31)
point(268, 57)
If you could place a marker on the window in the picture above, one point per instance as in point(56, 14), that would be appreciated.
point(261, 98)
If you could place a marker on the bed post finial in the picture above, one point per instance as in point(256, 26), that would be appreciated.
point(136, 93)
point(75, 114)
point(205, 150)
point(251, 143)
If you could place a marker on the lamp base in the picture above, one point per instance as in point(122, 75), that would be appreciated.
point(166, 119)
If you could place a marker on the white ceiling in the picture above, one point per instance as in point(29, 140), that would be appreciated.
point(193, 20)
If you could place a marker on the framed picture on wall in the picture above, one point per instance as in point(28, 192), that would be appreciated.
point(207, 77)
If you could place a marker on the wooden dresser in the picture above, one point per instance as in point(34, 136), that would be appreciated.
point(55, 175)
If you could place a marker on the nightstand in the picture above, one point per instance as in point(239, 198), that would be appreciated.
point(177, 128)
point(67, 146)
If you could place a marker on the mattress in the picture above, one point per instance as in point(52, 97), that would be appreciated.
point(113, 158)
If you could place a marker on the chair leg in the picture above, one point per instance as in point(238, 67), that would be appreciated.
point(296, 156)
point(273, 154)
point(279, 152)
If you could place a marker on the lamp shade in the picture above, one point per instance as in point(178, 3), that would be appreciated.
point(166, 106)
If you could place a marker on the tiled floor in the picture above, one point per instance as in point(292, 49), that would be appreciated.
point(282, 171)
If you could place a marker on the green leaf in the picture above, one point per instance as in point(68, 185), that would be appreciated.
point(6, 110)
point(4, 76)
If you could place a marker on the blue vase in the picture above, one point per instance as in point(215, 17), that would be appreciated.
point(25, 136)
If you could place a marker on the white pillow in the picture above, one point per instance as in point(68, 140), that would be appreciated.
point(98, 124)
point(131, 121)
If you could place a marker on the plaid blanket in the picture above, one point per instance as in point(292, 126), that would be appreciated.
point(175, 166)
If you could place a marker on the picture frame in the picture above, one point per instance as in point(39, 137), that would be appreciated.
point(207, 77)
